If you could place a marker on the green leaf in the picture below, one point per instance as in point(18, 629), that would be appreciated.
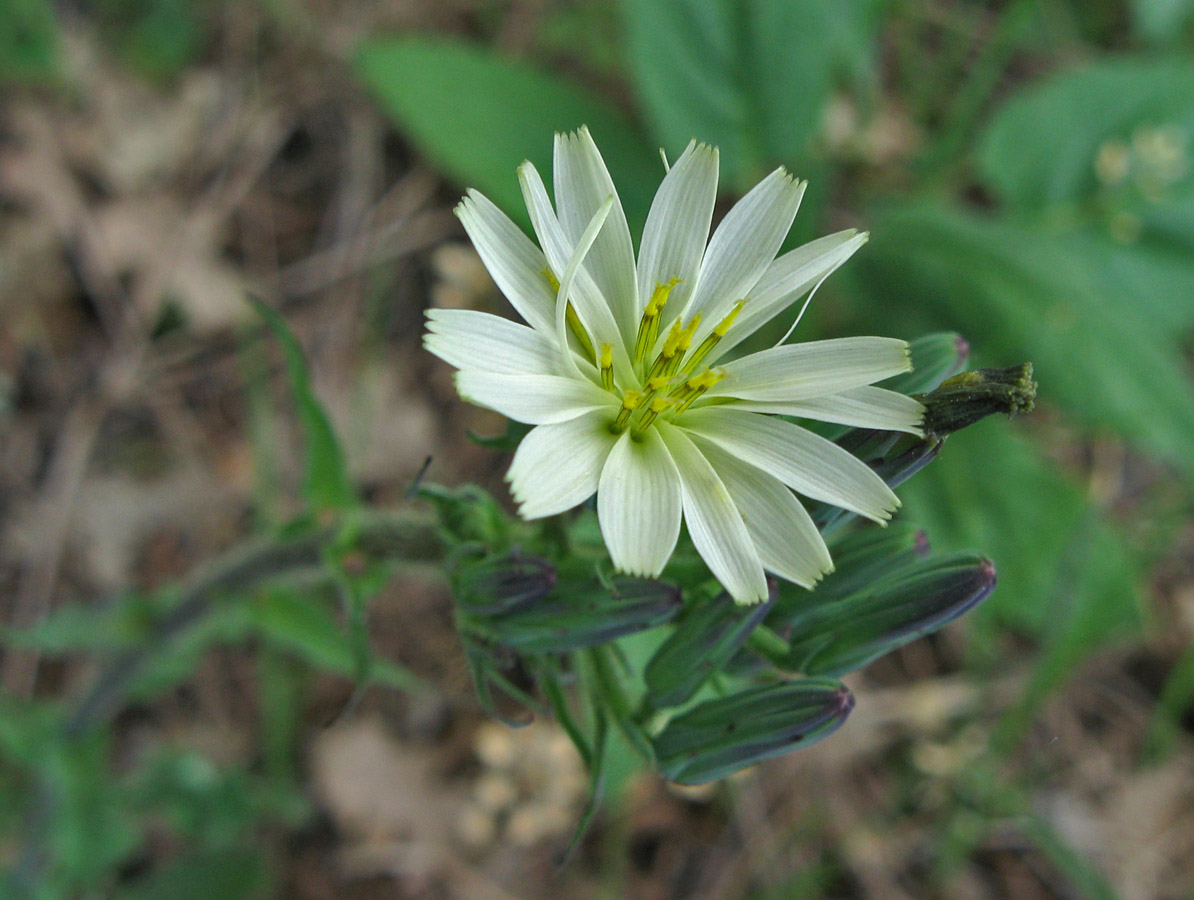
point(751, 76)
point(478, 115)
point(719, 737)
point(1162, 21)
point(1041, 150)
point(1022, 295)
point(308, 628)
point(326, 484)
point(28, 41)
point(229, 873)
point(705, 639)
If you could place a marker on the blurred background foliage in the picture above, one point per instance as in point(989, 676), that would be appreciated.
point(1026, 171)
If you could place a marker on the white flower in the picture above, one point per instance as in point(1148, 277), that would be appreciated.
point(621, 369)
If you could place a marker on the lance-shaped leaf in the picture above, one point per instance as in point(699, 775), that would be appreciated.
point(839, 637)
point(705, 639)
point(585, 615)
point(861, 559)
point(722, 736)
point(502, 583)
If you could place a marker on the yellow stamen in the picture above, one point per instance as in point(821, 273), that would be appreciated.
point(697, 385)
point(578, 331)
point(648, 326)
point(711, 341)
point(552, 280)
point(607, 367)
point(658, 405)
point(630, 402)
point(683, 343)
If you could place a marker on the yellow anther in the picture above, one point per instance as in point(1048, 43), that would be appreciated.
point(724, 325)
point(687, 334)
point(659, 297)
point(672, 344)
point(711, 340)
point(552, 280)
point(630, 402)
point(648, 326)
point(658, 405)
point(695, 386)
point(607, 367)
point(578, 331)
point(658, 383)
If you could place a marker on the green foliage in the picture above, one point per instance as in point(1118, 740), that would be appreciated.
point(28, 41)
point(478, 115)
point(751, 77)
point(157, 38)
point(1020, 295)
point(1162, 21)
point(326, 484)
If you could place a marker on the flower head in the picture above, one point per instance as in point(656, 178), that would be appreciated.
point(624, 368)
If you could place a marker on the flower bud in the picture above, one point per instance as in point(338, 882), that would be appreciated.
point(722, 736)
point(844, 635)
point(705, 639)
point(585, 614)
point(504, 583)
point(971, 396)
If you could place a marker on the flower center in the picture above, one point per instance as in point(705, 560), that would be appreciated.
point(670, 381)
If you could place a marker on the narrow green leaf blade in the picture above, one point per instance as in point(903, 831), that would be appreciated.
point(326, 484)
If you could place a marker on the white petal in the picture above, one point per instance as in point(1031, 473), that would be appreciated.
point(743, 246)
point(715, 523)
point(513, 260)
point(787, 280)
point(534, 399)
point(586, 297)
point(582, 184)
point(813, 369)
point(787, 541)
point(557, 467)
point(677, 227)
point(805, 462)
point(638, 504)
point(862, 407)
point(590, 303)
point(468, 339)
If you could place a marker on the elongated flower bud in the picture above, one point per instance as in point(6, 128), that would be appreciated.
point(722, 736)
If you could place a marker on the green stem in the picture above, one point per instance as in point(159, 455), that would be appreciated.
point(770, 645)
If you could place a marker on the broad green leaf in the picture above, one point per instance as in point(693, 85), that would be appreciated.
point(1042, 149)
point(751, 76)
point(1021, 295)
point(326, 484)
point(1162, 21)
point(478, 115)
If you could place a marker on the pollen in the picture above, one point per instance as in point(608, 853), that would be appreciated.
point(607, 367)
